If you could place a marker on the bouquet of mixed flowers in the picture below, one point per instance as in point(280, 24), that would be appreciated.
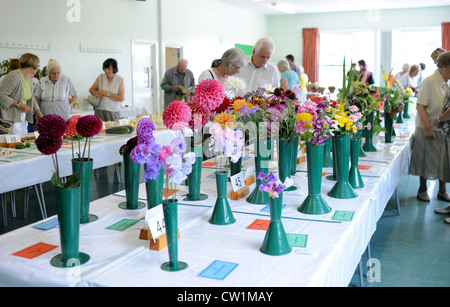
point(269, 184)
point(312, 121)
point(391, 95)
point(283, 105)
point(344, 121)
point(226, 142)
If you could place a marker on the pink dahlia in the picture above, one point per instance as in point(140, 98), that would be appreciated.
point(48, 145)
point(177, 115)
point(71, 130)
point(89, 126)
point(52, 126)
point(200, 115)
point(210, 93)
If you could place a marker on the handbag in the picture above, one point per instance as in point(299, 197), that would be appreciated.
point(94, 101)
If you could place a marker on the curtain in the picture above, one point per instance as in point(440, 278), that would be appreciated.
point(446, 36)
point(311, 53)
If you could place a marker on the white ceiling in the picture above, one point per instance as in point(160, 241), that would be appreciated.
point(320, 6)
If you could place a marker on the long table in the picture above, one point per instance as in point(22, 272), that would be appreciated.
point(221, 256)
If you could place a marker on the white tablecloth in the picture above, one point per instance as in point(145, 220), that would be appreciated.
point(120, 258)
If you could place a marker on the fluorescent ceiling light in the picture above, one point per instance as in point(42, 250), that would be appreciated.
point(283, 7)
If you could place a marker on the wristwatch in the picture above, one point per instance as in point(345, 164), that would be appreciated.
point(438, 120)
point(17, 105)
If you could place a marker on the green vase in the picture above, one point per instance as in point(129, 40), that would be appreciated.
point(284, 162)
point(222, 214)
point(154, 188)
point(389, 126)
point(368, 144)
point(132, 174)
point(399, 118)
point(314, 202)
point(68, 211)
point(354, 175)
point(327, 160)
point(195, 177)
point(359, 135)
point(405, 109)
point(235, 167)
point(275, 241)
point(170, 211)
point(84, 168)
point(262, 149)
point(333, 177)
point(342, 187)
point(294, 156)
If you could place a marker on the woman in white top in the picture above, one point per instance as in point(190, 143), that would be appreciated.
point(110, 88)
point(53, 92)
point(409, 79)
point(428, 144)
point(230, 63)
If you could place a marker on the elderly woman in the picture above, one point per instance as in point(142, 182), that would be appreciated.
point(17, 103)
point(288, 77)
point(55, 92)
point(230, 63)
point(110, 88)
point(428, 148)
point(409, 79)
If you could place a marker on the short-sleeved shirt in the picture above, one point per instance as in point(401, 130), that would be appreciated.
point(266, 76)
point(290, 76)
point(431, 95)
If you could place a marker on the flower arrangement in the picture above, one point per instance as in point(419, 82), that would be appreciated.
point(226, 142)
point(392, 94)
point(269, 184)
point(343, 122)
point(51, 129)
point(283, 106)
point(312, 121)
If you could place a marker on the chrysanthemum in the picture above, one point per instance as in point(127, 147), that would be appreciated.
point(89, 126)
point(177, 115)
point(52, 126)
point(210, 93)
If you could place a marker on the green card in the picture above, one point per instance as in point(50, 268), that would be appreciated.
point(343, 216)
point(297, 240)
point(122, 225)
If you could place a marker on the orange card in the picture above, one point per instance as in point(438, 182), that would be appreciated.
point(259, 224)
point(169, 192)
point(208, 163)
point(364, 166)
point(35, 250)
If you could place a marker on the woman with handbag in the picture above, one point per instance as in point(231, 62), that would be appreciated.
point(17, 103)
point(109, 88)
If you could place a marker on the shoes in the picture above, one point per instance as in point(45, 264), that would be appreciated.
point(423, 196)
point(443, 196)
point(445, 210)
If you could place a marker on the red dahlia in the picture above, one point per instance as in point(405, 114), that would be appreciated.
point(52, 126)
point(89, 126)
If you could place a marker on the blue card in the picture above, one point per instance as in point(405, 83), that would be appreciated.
point(47, 225)
point(267, 208)
point(218, 270)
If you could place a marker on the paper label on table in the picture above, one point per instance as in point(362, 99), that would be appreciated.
point(122, 225)
point(237, 181)
point(297, 240)
point(207, 164)
point(343, 216)
point(249, 171)
point(366, 167)
point(11, 138)
point(168, 192)
point(154, 218)
point(218, 270)
point(47, 225)
point(259, 224)
point(123, 122)
point(35, 250)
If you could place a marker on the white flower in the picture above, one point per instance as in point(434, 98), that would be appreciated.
point(234, 85)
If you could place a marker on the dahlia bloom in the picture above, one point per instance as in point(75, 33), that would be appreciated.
point(71, 130)
point(89, 125)
point(177, 115)
point(200, 115)
point(52, 126)
point(209, 93)
point(48, 145)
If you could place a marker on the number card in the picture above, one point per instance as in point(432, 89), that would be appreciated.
point(154, 218)
point(237, 181)
point(123, 122)
point(12, 139)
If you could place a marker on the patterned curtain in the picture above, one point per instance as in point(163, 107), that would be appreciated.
point(446, 36)
point(311, 53)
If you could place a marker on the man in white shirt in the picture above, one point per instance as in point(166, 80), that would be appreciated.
point(259, 72)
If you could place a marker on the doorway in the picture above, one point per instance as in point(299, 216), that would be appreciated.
point(145, 77)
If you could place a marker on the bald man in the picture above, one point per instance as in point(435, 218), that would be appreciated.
point(175, 78)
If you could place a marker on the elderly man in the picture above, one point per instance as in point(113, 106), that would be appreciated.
point(55, 93)
point(178, 83)
point(259, 72)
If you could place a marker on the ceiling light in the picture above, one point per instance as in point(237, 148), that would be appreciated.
point(283, 7)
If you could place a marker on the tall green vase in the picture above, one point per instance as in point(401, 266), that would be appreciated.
point(314, 202)
point(85, 166)
point(389, 126)
point(342, 188)
point(368, 145)
point(327, 160)
point(294, 155)
point(170, 211)
point(284, 162)
point(333, 176)
point(275, 242)
point(354, 175)
point(68, 211)
point(262, 149)
point(222, 214)
point(132, 174)
point(195, 177)
point(406, 108)
point(155, 189)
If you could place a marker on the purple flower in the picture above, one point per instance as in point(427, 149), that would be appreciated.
point(144, 130)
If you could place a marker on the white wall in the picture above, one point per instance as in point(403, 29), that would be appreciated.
point(197, 25)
